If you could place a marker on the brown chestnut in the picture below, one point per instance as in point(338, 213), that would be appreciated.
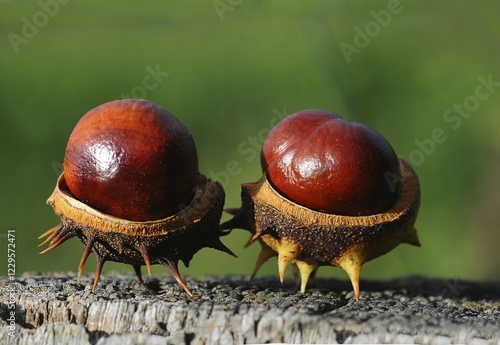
point(333, 192)
point(328, 164)
point(131, 190)
point(131, 159)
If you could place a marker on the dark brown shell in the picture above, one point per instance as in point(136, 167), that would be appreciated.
point(165, 241)
point(311, 239)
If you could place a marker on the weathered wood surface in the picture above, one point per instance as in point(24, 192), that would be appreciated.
point(56, 309)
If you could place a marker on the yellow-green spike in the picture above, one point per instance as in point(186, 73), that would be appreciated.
point(53, 233)
point(306, 267)
point(265, 254)
point(287, 252)
point(48, 232)
point(351, 263)
point(57, 241)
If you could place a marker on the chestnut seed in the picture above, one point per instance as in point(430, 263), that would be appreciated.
point(131, 191)
point(328, 164)
point(333, 193)
point(131, 159)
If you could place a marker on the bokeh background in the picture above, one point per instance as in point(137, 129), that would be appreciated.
point(410, 69)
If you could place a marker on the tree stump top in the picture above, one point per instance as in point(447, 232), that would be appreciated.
point(56, 309)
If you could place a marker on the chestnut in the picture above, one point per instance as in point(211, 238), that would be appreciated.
point(333, 192)
point(131, 190)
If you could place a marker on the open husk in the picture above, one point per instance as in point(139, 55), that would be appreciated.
point(311, 239)
point(164, 241)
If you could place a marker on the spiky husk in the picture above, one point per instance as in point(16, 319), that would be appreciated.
point(311, 239)
point(165, 241)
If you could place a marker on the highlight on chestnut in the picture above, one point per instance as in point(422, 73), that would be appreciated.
point(333, 192)
point(131, 191)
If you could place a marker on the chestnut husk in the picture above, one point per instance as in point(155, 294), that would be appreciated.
point(164, 241)
point(311, 239)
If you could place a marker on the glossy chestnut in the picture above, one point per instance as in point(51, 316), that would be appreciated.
point(332, 193)
point(328, 164)
point(131, 190)
point(131, 159)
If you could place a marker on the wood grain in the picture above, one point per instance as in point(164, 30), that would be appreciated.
point(54, 308)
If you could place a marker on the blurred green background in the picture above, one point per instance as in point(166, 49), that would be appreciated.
point(226, 69)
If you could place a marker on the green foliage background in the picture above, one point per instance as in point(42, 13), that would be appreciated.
point(230, 71)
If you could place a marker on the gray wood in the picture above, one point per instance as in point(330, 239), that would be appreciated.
point(56, 309)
